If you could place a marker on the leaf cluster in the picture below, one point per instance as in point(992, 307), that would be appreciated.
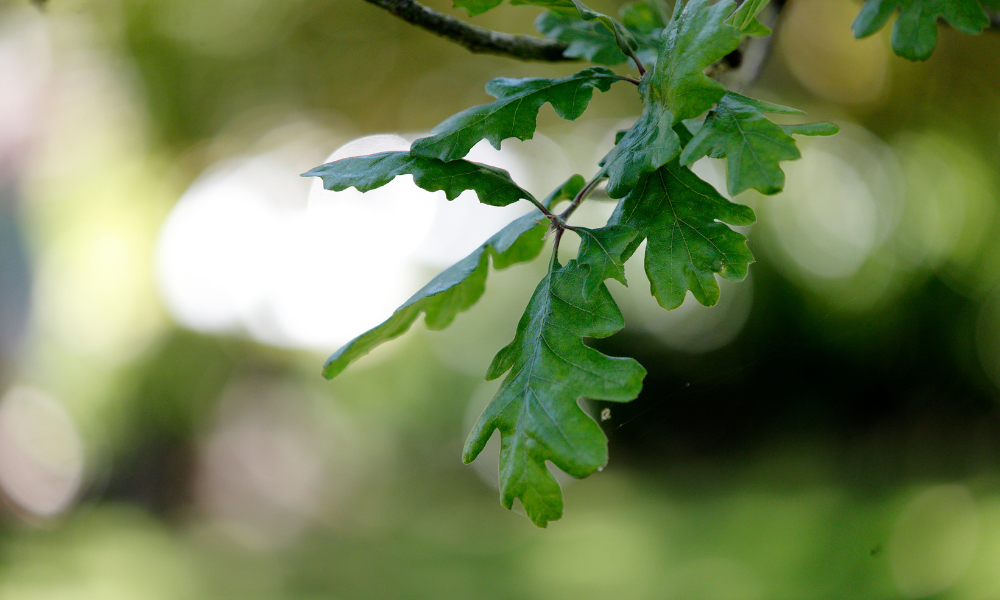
point(687, 224)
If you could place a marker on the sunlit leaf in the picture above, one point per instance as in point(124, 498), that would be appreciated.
point(459, 286)
point(536, 408)
point(492, 185)
point(914, 35)
point(738, 130)
point(684, 222)
point(514, 112)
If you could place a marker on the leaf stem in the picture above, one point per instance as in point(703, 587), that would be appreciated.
point(580, 197)
point(555, 247)
point(631, 80)
point(638, 63)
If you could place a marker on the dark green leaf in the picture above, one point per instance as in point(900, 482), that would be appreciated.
point(536, 407)
point(493, 186)
point(601, 251)
point(684, 220)
point(587, 39)
point(595, 42)
point(650, 143)
point(753, 145)
point(514, 112)
point(676, 89)
point(914, 34)
point(460, 285)
point(697, 38)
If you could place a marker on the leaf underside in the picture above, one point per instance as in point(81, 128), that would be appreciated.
point(536, 407)
point(914, 34)
point(514, 112)
point(458, 287)
point(492, 185)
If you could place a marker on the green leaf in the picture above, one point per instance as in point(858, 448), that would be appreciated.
point(536, 407)
point(460, 285)
point(514, 112)
point(626, 43)
point(753, 145)
point(597, 43)
point(601, 251)
point(684, 220)
point(914, 35)
point(587, 39)
point(477, 7)
point(646, 17)
point(492, 185)
point(649, 144)
point(745, 18)
point(676, 89)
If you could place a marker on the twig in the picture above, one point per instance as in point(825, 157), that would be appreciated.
point(475, 38)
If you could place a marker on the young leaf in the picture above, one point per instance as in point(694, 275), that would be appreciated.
point(460, 285)
point(684, 220)
point(738, 130)
point(601, 251)
point(536, 407)
point(914, 34)
point(676, 89)
point(492, 185)
point(513, 113)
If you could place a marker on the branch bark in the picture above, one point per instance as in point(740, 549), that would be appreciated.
point(475, 38)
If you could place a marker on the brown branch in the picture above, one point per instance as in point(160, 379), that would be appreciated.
point(474, 38)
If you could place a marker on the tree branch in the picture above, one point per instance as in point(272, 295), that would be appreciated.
point(474, 38)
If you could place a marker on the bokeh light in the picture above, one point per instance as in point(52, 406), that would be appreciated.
point(41, 453)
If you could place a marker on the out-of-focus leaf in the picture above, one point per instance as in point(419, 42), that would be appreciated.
point(460, 285)
point(745, 18)
point(645, 17)
point(595, 42)
point(536, 407)
point(684, 220)
point(514, 112)
point(914, 35)
point(492, 185)
point(587, 39)
point(738, 130)
point(601, 251)
point(676, 89)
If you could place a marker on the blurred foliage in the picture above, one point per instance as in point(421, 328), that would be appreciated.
point(843, 441)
